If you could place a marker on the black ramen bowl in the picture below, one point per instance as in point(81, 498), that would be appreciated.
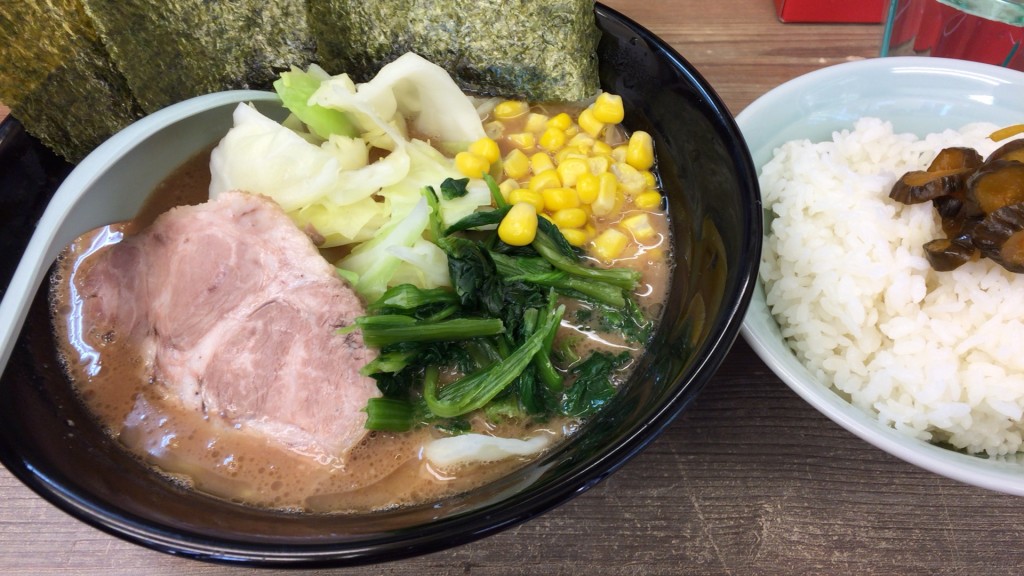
point(52, 445)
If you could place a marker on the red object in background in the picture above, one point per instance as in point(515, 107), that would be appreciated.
point(932, 28)
point(906, 21)
point(850, 11)
point(978, 39)
point(932, 18)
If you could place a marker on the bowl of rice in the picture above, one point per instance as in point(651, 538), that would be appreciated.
point(847, 311)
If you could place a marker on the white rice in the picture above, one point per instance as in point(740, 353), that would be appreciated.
point(938, 355)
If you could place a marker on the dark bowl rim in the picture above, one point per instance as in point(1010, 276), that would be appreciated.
point(496, 517)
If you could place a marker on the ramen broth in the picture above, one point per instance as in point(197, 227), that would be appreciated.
point(385, 470)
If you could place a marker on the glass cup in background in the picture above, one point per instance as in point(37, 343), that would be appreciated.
point(988, 31)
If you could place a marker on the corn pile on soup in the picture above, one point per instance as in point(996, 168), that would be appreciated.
point(399, 293)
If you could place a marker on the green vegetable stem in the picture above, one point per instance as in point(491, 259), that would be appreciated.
point(476, 390)
point(389, 414)
point(387, 329)
point(294, 88)
point(552, 246)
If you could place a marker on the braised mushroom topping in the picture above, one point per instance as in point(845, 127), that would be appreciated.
point(946, 176)
point(945, 254)
point(1000, 236)
point(958, 215)
point(1012, 150)
point(921, 186)
point(997, 184)
point(955, 158)
point(980, 203)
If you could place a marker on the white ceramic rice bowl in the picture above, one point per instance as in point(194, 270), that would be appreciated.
point(919, 95)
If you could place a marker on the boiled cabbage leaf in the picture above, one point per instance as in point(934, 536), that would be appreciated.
point(362, 186)
point(466, 449)
point(415, 89)
point(295, 87)
point(373, 263)
point(261, 156)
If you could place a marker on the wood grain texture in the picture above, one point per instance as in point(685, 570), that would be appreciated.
point(750, 480)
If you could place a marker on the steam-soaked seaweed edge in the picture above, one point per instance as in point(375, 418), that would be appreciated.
point(57, 78)
point(172, 50)
point(537, 51)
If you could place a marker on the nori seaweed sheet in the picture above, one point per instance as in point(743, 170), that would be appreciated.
point(538, 50)
point(57, 78)
point(77, 71)
point(172, 50)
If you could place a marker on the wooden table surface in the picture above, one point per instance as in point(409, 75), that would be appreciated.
point(751, 480)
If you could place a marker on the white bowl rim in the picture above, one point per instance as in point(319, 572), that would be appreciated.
point(978, 471)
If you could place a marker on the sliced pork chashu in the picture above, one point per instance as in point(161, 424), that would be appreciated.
point(234, 313)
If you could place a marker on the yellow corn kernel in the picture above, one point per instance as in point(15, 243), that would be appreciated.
point(601, 148)
point(608, 108)
point(536, 122)
point(640, 150)
point(607, 195)
point(589, 124)
point(572, 130)
point(561, 121)
point(649, 178)
point(552, 139)
point(510, 109)
point(546, 179)
point(599, 164)
point(507, 186)
point(631, 181)
point(639, 226)
point(523, 140)
point(519, 226)
point(532, 197)
point(570, 218)
point(486, 149)
point(540, 162)
point(471, 165)
point(581, 140)
point(516, 164)
point(556, 199)
point(569, 170)
point(619, 153)
point(575, 236)
point(648, 200)
point(586, 187)
point(567, 153)
point(608, 245)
